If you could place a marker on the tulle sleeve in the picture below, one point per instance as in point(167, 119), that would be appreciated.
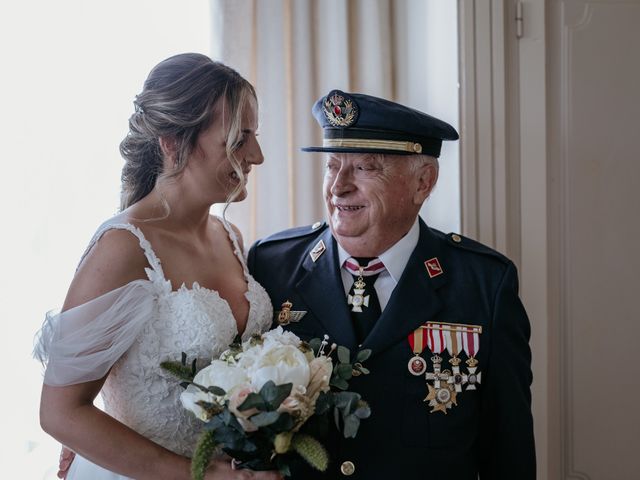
point(81, 344)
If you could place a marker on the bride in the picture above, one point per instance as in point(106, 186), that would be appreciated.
point(160, 278)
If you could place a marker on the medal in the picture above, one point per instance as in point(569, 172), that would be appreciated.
point(442, 394)
point(440, 399)
point(418, 339)
point(471, 345)
point(359, 299)
point(453, 340)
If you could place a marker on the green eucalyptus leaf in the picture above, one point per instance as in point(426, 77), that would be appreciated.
point(315, 344)
point(363, 370)
point(351, 426)
point(284, 469)
point(216, 390)
point(284, 423)
point(343, 354)
point(253, 400)
point(323, 403)
point(363, 355)
point(344, 371)
point(344, 400)
point(336, 417)
point(264, 419)
point(339, 383)
point(274, 395)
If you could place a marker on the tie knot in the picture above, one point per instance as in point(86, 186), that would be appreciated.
point(364, 266)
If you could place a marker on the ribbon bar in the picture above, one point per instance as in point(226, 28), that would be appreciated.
point(453, 327)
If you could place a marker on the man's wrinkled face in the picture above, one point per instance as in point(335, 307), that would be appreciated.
point(372, 200)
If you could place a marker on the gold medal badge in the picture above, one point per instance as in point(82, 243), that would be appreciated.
point(442, 395)
point(285, 316)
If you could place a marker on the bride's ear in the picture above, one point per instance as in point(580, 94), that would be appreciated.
point(168, 145)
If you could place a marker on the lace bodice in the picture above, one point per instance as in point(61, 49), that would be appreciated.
point(194, 320)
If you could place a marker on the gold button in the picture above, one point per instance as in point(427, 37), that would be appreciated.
point(316, 225)
point(417, 148)
point(456, 238)
point(347, 468)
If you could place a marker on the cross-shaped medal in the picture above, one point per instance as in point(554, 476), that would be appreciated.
point(358, 299)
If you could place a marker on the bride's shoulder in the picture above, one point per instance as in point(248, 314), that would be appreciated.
point(227, 228)
point(113, 259)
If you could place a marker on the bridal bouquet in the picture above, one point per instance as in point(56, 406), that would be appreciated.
point(262, 400)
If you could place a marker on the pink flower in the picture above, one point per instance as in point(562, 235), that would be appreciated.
point(237, 398)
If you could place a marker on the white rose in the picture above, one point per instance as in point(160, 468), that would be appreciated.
point(277, 362)
point(221, 374)
point(281, 337)
point(191, 396)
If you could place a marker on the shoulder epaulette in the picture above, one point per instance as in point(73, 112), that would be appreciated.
point(468, 244)
point(296, 232)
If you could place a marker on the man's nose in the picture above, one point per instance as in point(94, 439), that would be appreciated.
point(342, 182)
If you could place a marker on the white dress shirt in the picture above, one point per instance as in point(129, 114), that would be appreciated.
point(395, 259)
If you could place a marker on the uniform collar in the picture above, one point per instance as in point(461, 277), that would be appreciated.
point(396, 257)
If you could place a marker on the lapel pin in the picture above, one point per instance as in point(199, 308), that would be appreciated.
point(433, 267)
point(317, 251)
point(287, 316)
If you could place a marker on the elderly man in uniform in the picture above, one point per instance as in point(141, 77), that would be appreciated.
point(450, 375)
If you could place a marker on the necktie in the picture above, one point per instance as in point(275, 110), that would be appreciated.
point(363, 299)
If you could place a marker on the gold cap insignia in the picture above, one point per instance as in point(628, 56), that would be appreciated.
point(340, 109)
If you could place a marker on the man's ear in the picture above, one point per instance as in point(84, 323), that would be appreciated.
point(168, 147)
point(427, 176)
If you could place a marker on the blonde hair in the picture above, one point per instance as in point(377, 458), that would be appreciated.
point(177, 102)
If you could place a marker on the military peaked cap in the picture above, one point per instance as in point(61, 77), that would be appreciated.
point(358, 123)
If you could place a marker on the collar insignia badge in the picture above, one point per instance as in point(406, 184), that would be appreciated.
point(433, 267)
point(317, 251)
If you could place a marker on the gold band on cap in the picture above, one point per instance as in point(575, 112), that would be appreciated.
point(412, 147)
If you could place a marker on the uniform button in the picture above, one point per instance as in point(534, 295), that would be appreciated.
point(456, 238)
point(347, 468)
point(316, 225)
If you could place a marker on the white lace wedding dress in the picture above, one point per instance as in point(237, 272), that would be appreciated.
point(132, 329)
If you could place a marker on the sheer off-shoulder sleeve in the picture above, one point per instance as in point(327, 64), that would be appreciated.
point(81, 344)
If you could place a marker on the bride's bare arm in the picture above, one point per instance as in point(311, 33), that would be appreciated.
point(67, 413)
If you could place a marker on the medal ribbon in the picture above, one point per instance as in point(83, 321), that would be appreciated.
point(453, 339)
point(418, 340)
point(374, 267)
point(471, 342)
point(435, 338)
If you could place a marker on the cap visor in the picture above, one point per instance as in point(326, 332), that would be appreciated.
point(355, 150)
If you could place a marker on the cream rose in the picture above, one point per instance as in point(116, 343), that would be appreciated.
point(276, 362)
point(219, 374)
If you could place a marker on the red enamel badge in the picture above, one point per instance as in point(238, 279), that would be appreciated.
point(433, 267)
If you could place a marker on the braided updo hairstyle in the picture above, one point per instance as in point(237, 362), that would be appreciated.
point(177, 102)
